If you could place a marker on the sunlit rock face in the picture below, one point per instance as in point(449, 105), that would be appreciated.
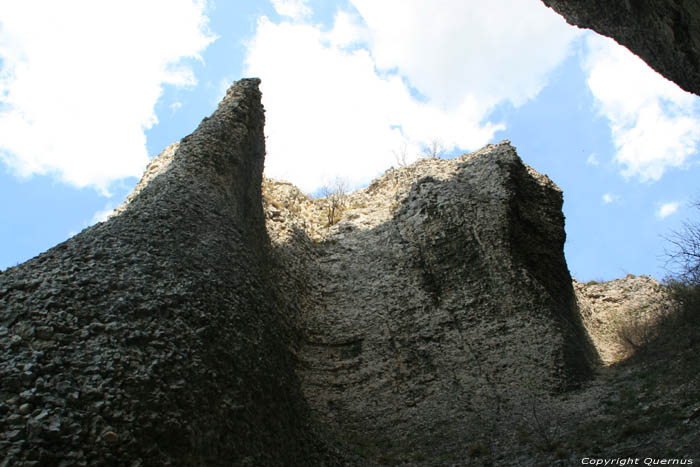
point(616, 313)
point(437, 308)
point(664, 33)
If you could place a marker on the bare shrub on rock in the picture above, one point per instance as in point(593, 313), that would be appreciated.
point(683, 260)
point(401, 155)
point(683, 256)
point(676, 324)
point(336, 194)
point(638, 328)
point(433, 149)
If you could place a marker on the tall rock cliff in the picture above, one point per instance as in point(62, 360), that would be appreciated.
point(422, 326)
point(664, 33)
point(152, 339)
point(439, 307)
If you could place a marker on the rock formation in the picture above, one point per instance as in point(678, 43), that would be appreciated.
point(437, 309)
point(219, 319)
point(609, 309)
point(429, 326)
point(176, 333)
point(153, 338)
point(664, 33)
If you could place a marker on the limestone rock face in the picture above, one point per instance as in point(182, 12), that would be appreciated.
point(664, 33)
point(153, 339)
point(437, 308)
point(610, 308)
point(421, 326)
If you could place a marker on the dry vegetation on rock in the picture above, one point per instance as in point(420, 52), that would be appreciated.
point(354, 348)
point(428, 319)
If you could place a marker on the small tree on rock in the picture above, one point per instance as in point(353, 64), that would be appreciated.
point(336, 194)
point(683, 258)
point(434, 149)
point(401, 154)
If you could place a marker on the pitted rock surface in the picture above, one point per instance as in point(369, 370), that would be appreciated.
point(437, 307)
point(664, 33)
point(155, 338)
point(434, 324)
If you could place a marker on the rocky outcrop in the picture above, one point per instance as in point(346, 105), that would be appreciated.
point(620, 310)
point(437, 309)
point(155, 338)
point(423, 325)
point(664, 33)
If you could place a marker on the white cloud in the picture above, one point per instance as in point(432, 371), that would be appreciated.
point(593, 160)
point(339, 118)
point(348, 29)
point(296, 9)
point(655, 124)
point(609, 198)
point(80, 80)
point(175, 106)
point(666, 209)
point(493, 50)
point(351, 107)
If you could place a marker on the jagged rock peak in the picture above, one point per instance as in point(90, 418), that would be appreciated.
point(374, 204)
point(153, 338)
point(434, 310)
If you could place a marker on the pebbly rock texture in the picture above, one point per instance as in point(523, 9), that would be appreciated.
point(155, 338)
point(664, 33)
point(425, 327)
point(437, 310)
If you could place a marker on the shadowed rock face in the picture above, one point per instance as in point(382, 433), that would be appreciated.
point(664, 33)
point(153, 339)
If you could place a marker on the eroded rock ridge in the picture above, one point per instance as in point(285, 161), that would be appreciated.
point(439, 306)
point(427, 320)
point(153, 338)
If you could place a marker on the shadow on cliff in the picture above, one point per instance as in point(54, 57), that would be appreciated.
point(432, 334)
point(651, 401)
point(152, 338)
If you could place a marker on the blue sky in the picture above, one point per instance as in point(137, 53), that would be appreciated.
point(89, 91)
